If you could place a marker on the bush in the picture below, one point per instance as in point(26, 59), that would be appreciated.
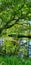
point(9, 48)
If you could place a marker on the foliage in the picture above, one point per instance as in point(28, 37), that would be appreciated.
point(12, 15)
point(13, 47)
point(14, 60)
point(9, 47)
point(15, 17)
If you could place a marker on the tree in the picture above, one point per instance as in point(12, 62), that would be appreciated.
point(11, 15)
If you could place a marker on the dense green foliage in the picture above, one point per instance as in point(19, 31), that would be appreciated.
point(11, 46)
point(8, 47)
point(15, 22)
point(13, 14)
point(13, 60)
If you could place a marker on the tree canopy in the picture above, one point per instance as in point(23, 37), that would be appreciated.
point(15, 17)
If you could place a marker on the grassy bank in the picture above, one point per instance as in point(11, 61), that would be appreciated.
point(13, 60)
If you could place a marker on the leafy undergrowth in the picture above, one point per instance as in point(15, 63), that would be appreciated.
point(13, 60)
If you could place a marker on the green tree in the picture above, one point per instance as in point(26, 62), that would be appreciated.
point(12, 14)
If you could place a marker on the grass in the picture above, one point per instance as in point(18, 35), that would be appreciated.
point(13, 60)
